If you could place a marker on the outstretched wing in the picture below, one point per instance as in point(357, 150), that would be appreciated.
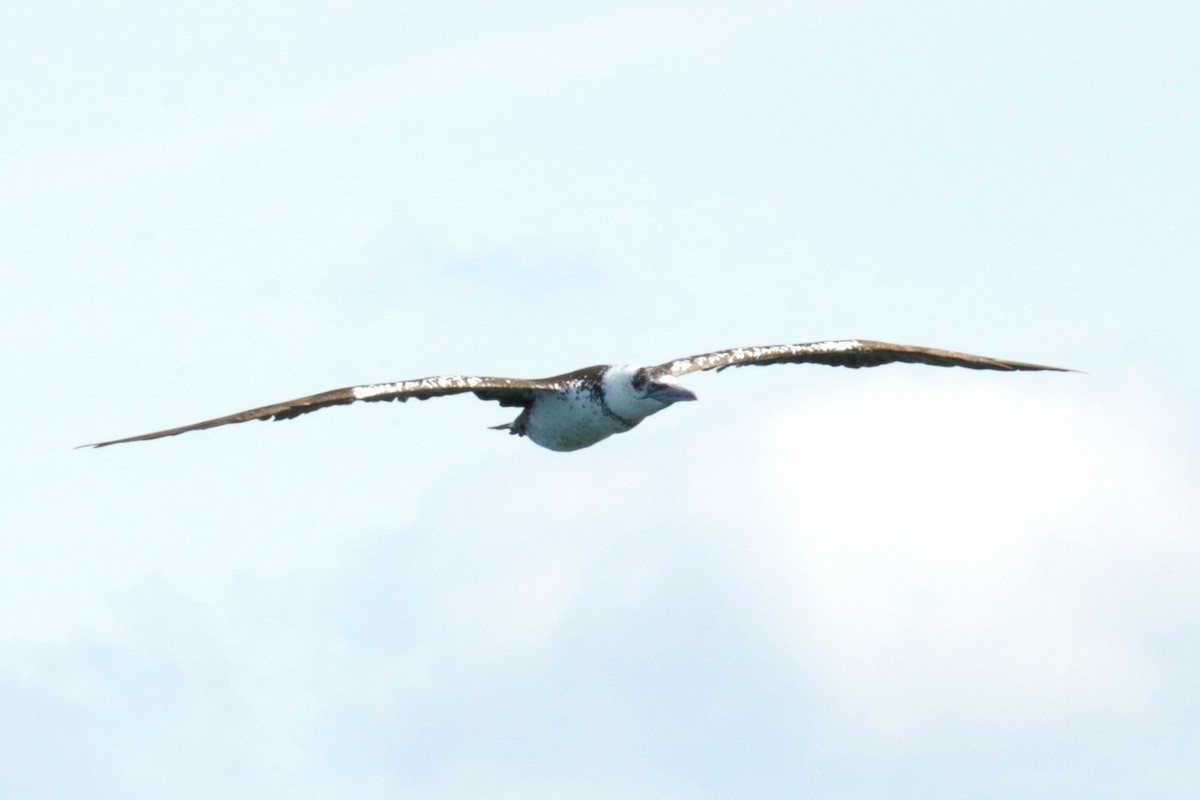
point(507, 391)
point(852, 353)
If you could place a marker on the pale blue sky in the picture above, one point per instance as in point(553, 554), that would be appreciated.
point(903, 582)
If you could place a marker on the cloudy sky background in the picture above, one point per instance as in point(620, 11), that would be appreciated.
point(905, 582)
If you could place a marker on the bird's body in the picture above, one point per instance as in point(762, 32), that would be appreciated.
point(593, 404)
point(575, 416)
point(577, 409)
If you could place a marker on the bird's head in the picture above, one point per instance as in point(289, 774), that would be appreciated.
point(637, 392)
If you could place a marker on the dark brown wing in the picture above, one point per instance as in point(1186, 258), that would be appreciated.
point(507, 391)
point(852, 353)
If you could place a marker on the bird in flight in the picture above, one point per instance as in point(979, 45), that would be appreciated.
point(577, 409)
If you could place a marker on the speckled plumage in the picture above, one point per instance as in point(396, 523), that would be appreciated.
point(577, 409)
point(575, 416)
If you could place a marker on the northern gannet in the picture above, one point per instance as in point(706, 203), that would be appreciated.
point(577, 409)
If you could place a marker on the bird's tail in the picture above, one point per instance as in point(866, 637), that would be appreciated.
point(516, 427)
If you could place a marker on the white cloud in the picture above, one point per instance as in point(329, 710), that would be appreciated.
point(889, 570)
point(976, 556)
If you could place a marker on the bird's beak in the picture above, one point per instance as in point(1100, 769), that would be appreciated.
point(671, 394)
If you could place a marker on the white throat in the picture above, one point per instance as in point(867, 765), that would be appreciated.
point(623, 399)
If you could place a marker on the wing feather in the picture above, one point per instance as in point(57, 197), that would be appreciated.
point(853, 353)
point(507, 391)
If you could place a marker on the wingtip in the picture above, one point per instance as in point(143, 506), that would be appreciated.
point(1021, 366)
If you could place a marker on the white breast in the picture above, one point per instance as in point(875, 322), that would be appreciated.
point(570, 420)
